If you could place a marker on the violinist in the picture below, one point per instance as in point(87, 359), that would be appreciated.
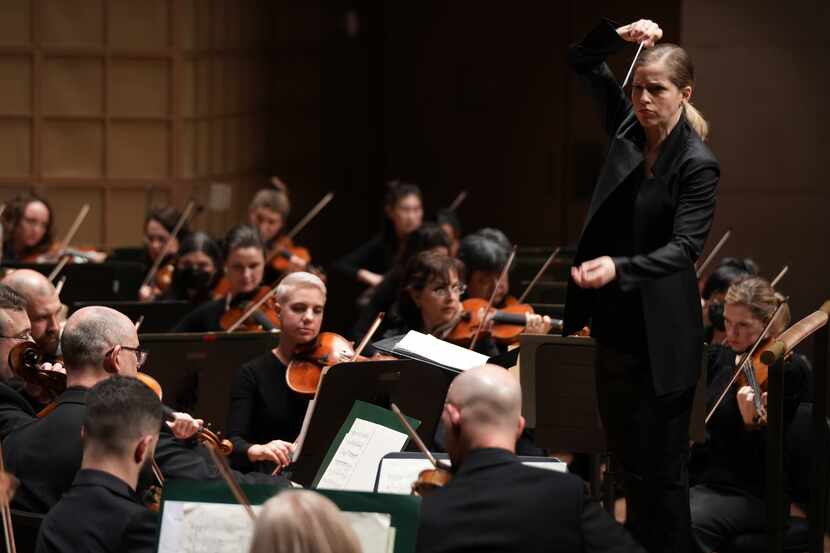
point(404, 213)
point(451, 225)
point(501, 504)
point(43, 305)
point(729, 498)
point(27, 228)
point(158, 229)
point(244, 259)
point(17, 402)
point(268, 213)
point(265, 414)
point(197, 269)
point(427, 237)
point(717, 283)
point(101, 512)
point(633, 277)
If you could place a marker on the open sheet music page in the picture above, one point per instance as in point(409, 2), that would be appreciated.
point(355, 464)
point(431, 348)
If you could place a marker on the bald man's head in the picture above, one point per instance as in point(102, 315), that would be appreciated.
point(43, 306)
point(93, 331)
point(483, 409)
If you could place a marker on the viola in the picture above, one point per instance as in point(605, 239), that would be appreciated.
point(25, 360)
point(244, 316)
point(303, 372)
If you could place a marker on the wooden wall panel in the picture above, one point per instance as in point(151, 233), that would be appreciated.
point(15, 22)
point(73, 86)
point(73, 149)
point(15, 153)
point(139, 88)
point(138, 149)
point(71, 22)
point(66, 203)
point(125, 214)
point(142, 25)
point(15, 85)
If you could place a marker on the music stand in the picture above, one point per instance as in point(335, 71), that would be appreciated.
point(159, 316)
point(108, 281)
point(196, 370)
point(416, 387)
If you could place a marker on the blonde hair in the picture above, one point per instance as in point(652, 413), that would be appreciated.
point(756, 294)
point(272, 199)
point(302, 521)
point(295, 281)
point(681, 74)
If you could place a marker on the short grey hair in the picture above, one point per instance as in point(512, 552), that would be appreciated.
point(90, 333)
point(295, 281)
point(10, 300)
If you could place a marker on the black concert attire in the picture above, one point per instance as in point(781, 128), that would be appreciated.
point(46, 454)
point(382, 299)
point(207, 317)
point(647, 322)
point(729, 499)
point(15, 407)
point(99, 514)
point(494, 503)
point(376, 255)
point(263, 408)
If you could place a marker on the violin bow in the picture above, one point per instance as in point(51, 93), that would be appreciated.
point(747, 357)
point(59, 286)
point(372, 329)
point(253, 308)
point(713, 253)
point(8, 529)
point(58, 268)
point(183, 218)
point(456, 203)
point(631, 68)
point(237, 492)
point(324, 201)
point(74, 228)
point(416, 438)
point(539, 274)
point(780, 275)
point(493, 294)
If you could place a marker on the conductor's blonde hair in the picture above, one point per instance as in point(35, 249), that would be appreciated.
point(302, 521)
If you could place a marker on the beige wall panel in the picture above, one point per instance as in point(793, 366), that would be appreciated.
point(232, 99)
point(188, 24)
point(217, 88)
point(138, 149)
point(73, 148)
point(67, 202)
point(233, 144)
point(15, 148)
point(157, 197)
point(125, 216)
point(72, 22)
point(72, 86)
point(142, 24)
point(15, 22)
point(204, 29)
point(203, 149)
point(189, 150)
point(15, 85)
point(217, 154)
point(189, 88)
point(139, 88)
point(203, 87)
point(9, 192)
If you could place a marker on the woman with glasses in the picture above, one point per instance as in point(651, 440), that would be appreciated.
point(27, 228)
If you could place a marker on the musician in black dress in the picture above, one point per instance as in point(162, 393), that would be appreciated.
point(198, 267)
point(633, 277)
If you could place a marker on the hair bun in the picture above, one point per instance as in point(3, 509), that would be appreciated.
point(277, 183)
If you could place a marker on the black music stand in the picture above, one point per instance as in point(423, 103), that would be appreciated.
point(159, 316)
point(416, 387)
point(109, 281)
point(196, 370)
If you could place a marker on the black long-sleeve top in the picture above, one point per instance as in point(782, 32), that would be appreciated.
point(737, 454)
point(263, 408)
point(376, 255)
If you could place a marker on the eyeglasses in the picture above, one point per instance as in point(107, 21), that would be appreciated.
point(451, 289)
point(140, 354)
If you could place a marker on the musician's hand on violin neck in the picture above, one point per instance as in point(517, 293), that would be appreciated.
point(538, 324)
point(746, 405)
point(644, 30)
point(147, 293)
point(184, 426)
point(8, 485)
point(276, 451)
point(594, 273)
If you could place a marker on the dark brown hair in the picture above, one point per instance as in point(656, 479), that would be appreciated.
point(14, 214)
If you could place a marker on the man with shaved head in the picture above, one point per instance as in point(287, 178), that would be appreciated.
point(45, 454)
point(495, 503)
point(42, 305)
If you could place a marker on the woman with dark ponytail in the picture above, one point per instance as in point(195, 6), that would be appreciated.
point(633, 277)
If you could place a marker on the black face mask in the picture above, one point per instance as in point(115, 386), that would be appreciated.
point(715, 312)
point(191, 279)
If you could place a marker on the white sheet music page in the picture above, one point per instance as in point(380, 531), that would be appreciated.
point(439, 351)
point(372, 530)
point(355, 464)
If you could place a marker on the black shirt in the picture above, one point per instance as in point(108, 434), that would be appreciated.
point(737, 454)
point(15, 408)
point(376, 255)
point(99, 514)
point(263, 408)
point(204, 318)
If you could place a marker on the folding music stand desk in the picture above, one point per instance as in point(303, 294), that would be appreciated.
point(416, 387)
point(196, 370)
point(108, 281)
point(159, 316)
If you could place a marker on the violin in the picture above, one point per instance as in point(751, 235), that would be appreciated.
point(254, 315)
point(25, 360)
point(508, 323)
point(428, 479)
point(161, 273)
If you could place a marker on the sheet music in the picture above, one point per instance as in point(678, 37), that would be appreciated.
point(372, 530)
point(195, 527)
point(355, 464)
point(439, 351)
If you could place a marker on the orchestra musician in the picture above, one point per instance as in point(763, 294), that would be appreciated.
point(197, 270)
point(159, 225)
point(728, 499)
point(265, 414)
point(714, 290)
point(495, 503)
point(18, 400)
point(268, 212)
point(101, 512)
point(244, 260)
point(43, 306)
point(27, 228)
point(451, 225)
point(634, 276)
point(404, 213)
